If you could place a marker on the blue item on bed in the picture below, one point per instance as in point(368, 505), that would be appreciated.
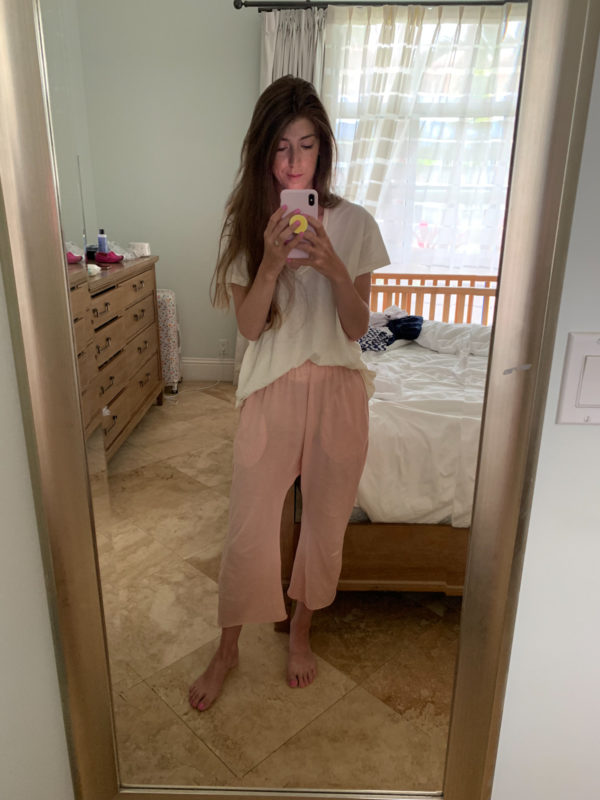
point(405, 327)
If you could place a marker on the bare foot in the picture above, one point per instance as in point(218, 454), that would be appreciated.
point(205, 689)
point(302, 664)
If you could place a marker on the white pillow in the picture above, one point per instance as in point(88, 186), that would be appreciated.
point(450, 337)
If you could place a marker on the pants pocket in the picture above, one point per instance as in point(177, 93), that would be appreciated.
point(251, 437)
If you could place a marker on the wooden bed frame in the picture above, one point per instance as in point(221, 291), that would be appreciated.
point(443, 297)
point(399, 556)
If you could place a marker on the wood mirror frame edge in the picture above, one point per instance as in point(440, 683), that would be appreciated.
point(33, 267)
point(37, 297)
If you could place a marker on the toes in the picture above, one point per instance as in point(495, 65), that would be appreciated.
point(307, 678)
point(200, 703)
point(197, 699)
point(302, 679)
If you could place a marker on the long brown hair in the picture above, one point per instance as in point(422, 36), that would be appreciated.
point(254, 196)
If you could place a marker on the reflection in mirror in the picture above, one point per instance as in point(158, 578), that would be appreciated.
point(98, 476)
point(157, 145)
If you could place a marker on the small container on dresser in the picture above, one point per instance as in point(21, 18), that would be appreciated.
point(116, 335)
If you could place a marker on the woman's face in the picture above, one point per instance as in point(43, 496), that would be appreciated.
point(296, 156)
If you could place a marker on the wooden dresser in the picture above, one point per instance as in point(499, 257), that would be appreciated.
point(115, 324)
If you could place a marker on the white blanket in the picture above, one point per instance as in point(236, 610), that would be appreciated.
point(424, 430)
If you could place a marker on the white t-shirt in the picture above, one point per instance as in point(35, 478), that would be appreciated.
point(310, 329)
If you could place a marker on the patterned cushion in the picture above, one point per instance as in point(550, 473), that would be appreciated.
point(375, 339)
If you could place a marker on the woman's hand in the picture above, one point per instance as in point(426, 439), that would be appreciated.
point(320, 253)
point(277, 246)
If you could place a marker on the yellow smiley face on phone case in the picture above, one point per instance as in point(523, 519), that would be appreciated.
point(301, 219)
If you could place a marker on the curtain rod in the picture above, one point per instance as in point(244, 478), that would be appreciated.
point(306, 4)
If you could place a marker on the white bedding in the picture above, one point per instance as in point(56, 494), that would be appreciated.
point(424, 427)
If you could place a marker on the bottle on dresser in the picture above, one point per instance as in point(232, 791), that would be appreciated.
point(102, 241)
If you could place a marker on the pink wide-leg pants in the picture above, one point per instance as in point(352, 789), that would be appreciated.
point(313, 422)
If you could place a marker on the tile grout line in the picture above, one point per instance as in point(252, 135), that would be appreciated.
point(191, 730)
point(310, 722)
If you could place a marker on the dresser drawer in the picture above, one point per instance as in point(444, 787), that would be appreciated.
point(136, 288)
point(140, 348)
point(139, 316)
point(144, 381)
point(87, 366)
point(119, 412)
point(111, 378)
point(106, 305)
point(115, 330)
point(80, 302)
point(108, 340)
point(84, 334)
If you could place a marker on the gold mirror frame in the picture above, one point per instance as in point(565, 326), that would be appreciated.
point(559, 62)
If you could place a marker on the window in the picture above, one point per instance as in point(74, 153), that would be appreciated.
point(423, 101)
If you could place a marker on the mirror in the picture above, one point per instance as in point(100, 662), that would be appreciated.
point(148, 151)
point(530, 257)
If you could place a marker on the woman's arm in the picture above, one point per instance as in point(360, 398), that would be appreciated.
point(252, 303)
point(352, 302)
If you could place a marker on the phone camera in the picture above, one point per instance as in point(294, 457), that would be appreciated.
point(311, 199)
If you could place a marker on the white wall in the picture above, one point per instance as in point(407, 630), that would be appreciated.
point(33, 754)
point(69, 119)
point(157, 97)
point(549, 745)
point(170, 89)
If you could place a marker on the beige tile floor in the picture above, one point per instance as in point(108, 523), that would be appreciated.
point(377, 716)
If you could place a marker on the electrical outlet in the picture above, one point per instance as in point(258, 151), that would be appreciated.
point(223, 347)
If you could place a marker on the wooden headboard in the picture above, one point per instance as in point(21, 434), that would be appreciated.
point(443, 297)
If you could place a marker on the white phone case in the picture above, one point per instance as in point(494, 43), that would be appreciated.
point(307, 201)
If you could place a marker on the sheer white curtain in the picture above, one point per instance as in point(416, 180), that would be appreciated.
point(423, 101)
point(292, 44)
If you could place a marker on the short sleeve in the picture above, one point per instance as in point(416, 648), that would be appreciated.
point(238, 272)
point(373, 252)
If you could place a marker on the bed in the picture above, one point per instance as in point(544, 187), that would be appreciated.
point(410, 529)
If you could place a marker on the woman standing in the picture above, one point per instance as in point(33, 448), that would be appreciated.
point(303, 387)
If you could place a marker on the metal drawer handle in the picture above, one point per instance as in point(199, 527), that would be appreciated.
point(137, 286)
point(101, 313)
point(104, 347)
point(145, 381)
point(145, 347)
point(108, 385)
point(138, 317)
point(110, 427)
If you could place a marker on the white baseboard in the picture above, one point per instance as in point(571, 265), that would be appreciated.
point(207, 369)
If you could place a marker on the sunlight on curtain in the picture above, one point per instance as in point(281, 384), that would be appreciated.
point(423, 101)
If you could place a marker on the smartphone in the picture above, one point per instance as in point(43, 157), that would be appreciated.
point(307, 201)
